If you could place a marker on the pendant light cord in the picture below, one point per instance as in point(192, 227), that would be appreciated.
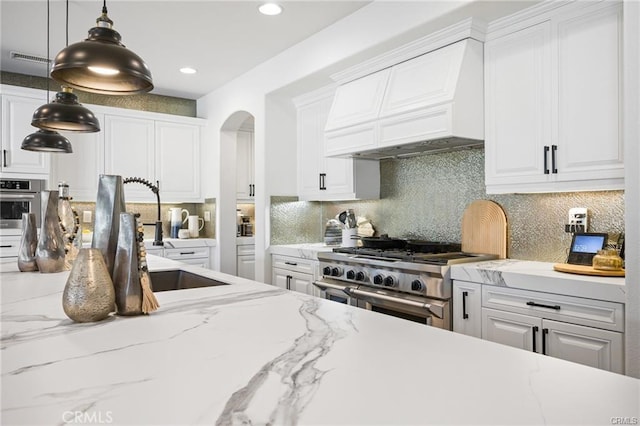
point(66, 40)
point(46, 75)
point(104, 6)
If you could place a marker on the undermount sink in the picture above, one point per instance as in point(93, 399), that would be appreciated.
point(178, 280)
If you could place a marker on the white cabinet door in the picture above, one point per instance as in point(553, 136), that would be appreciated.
point(246, 266)
point(553, 103)
point(589, 90)
point(290, 280)
point(178, 161)
point(130, 152)
point(584, 345)
point(519, 331)
point(321, 178)
point(245, 164)
point(16, 125)
point(81, 168)
point(9, 248)
point(467, 308)
point(518, 106)
point(280, 278)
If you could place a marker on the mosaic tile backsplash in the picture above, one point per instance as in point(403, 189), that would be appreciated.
point(424, 197)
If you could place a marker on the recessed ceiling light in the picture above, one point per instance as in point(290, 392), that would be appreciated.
point(187, 70)
point(270, 9)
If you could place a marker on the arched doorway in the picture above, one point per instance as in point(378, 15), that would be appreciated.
point(237, 123)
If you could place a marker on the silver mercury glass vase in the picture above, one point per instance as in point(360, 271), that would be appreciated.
point(88, 294)
point(28, 244)
point(50, 250)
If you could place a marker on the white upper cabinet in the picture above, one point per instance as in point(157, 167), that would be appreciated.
point(130, 152)
point(245, 149)
point(17, 112)
point(322, 178)
point(553, 94)
point(81, 168)
point(177, 158)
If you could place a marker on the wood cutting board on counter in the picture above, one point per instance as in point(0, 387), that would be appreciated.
point(484, 229)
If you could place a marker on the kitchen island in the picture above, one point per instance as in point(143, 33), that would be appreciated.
point(251, 353)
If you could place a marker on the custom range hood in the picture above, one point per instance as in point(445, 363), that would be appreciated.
point(431, 103)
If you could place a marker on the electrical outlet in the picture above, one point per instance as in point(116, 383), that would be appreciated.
point(578, 220)
point(86, 216)
point(207, 216)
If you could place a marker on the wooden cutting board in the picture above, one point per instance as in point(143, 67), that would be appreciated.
point(484, 229)
point(587, 270)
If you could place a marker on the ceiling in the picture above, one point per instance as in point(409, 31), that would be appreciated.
point(220, 39)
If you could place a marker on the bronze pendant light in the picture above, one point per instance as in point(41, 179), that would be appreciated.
point(65, 112)
point(102, 64)
point(47, 140)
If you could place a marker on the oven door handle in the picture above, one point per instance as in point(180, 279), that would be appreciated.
point(9, 195)
point(436, 310)
point(324, 285)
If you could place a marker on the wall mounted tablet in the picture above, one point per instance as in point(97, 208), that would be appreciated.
point(584, 246)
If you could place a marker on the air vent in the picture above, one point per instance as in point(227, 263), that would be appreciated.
point(29, 58)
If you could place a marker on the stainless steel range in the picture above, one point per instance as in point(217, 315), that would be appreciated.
point(399, 282)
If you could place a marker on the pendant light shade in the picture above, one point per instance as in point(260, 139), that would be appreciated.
point(102, 64)
point(47, 141)
point(65, 113)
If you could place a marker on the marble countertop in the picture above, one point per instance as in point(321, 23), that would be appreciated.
point(251, 353)
point(540, 276)
point(304, 250)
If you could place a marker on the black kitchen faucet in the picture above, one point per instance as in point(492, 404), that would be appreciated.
point(154, 188)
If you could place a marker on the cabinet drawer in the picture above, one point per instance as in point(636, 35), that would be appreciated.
point(295, 264)
point(592, 313)
point(246, 249)
point(9, 246)
point(186, 253)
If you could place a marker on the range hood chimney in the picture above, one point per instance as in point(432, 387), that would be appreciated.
point(431, 103)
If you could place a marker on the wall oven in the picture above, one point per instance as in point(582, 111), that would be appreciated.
point(19, 196)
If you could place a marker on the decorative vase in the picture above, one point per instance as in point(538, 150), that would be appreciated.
point(126, 274)
point(28, 244)
point(50, 250)
point(88, 295)
point(109, 205)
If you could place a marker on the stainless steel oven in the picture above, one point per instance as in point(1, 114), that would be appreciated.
point(406, 284)
point(19, 196)
point(335, 292)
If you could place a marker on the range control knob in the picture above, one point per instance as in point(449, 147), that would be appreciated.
point(416, 285)
point(336, 272)
point(351, 274)
point(389, 282)
point(378, 279)
point(326, 270)
point(360, 276)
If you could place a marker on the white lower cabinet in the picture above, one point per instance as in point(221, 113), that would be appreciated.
point(467, 308)
point(246, 261)
point(292, 273)
point(584, 345)
point(191, 255)
point(9, 248)
point(581, 330)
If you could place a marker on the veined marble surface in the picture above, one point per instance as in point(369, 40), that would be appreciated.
point(250, 353)
point(304, 251)
point(540, 276)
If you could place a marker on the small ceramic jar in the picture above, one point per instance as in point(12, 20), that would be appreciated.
point(608, 260)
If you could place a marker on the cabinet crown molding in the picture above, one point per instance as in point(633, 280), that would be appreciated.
point(468, 28)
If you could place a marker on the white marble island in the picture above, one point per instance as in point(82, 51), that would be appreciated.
point(250, 353)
